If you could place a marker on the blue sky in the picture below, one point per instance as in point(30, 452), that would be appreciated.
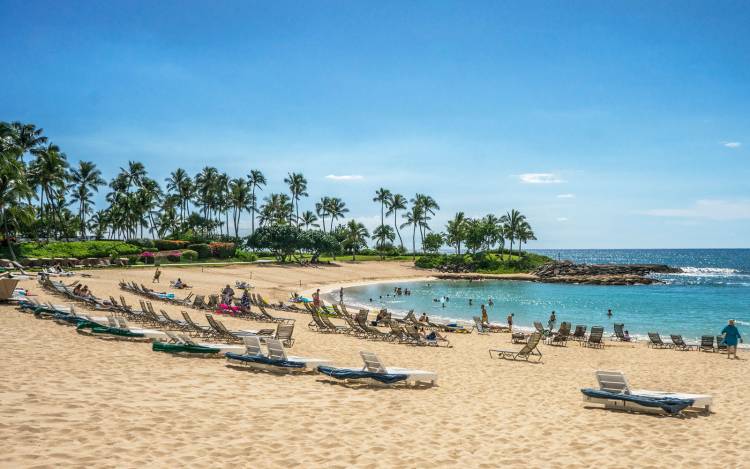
point(609, 124)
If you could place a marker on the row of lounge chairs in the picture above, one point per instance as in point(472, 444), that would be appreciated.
point(357, 325)
point(177, 337)
point(678, 343)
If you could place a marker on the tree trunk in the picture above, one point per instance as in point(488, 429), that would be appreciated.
point(7, 238)
point(395, 224)
point(414, 243)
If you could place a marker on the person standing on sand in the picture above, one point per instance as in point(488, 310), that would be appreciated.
point(316, 298)
point(731, 336)
point(510, 321)
point(552, 321)
point(341, 295)
point(157, 274)
point(485, 318)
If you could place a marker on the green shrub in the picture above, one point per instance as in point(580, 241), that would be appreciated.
point(174, 256)
point(222, 250)
point(78, 249)
point(143, 243)
point(202, 249)
point(246, 256)
point(170, 244)
point(189, 255)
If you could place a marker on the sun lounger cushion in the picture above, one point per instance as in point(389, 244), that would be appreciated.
point(100, 329)
point(670, 405)
point(265, 360)
point(183, 348)
point(347, 373)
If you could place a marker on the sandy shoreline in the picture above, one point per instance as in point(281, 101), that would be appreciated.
point(69, 400)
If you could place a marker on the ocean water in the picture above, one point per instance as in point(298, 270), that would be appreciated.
point(714, 287)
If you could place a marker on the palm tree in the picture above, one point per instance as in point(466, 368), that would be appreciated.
point(133, 174)
point(179, 183)
point(277, 209)
point(256, 180)
point(298, 187)
point(428, 207)
point(205, 185)
point(321, 208)
point(48, 171)
point(383, 196)
point(336, 209)
point(395, 203)
point(525, 234)
point(456, 231)
point(14, 190)
point(308, 219)
point(84, 181)
point(239, 200)
point(27, 137)
point(382, 235)
point(513, 221)
point(356, 237)
point(413, 219)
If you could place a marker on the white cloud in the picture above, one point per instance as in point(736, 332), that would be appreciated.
point(566, 196)
point(562, 219)
point(540, 178)
point(732, 144)
point(345, 177)
point(707, 209)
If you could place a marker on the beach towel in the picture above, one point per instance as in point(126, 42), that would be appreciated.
point(669, 405)
point(264, 360)
point(345, 373)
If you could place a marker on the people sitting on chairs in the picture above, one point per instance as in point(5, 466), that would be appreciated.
point(227, 294)
point(432, 335)
point(625, 336)
point(180, 284)
point(424, 318)
point(245, 301)
point(77, 290)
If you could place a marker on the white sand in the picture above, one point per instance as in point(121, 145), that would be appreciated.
point(70, 400)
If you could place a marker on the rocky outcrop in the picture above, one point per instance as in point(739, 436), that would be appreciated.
point(601, 274)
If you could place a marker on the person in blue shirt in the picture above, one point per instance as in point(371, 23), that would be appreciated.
point(731, 336)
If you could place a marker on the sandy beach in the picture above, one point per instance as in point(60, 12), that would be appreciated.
point(68, 400)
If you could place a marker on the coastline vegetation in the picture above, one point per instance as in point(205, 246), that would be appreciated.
point(49, 206)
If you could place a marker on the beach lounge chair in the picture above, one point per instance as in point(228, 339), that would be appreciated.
point(418, 339)
point(680, 344)
point(721, 346)
point(354, 328)
point(328, 324)
point(267, 317)
point(560, 338)
point(579, 334)
point(399, 334)
point(707, 343)
point(180, 344)
point(275, 361)
point(620, 334)
point(197, 329)
point(317, 325)
point(175, 323)
point(615, 393)
point(372, 332)
point(480, 326)
point(529, 351)
point(374, 372)
point(538, 326)
point(236, 335)
point(595, 338)
point(654, 341)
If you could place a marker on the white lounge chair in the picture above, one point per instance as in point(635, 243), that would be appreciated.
point(615, 382)
point(374, 366)
point(277, 360)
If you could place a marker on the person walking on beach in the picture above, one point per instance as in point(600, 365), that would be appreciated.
point(316, 298)
point(157, 274)
point(552, 321)
point(731, 336)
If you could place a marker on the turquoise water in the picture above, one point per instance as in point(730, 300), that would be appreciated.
point(714, 288)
